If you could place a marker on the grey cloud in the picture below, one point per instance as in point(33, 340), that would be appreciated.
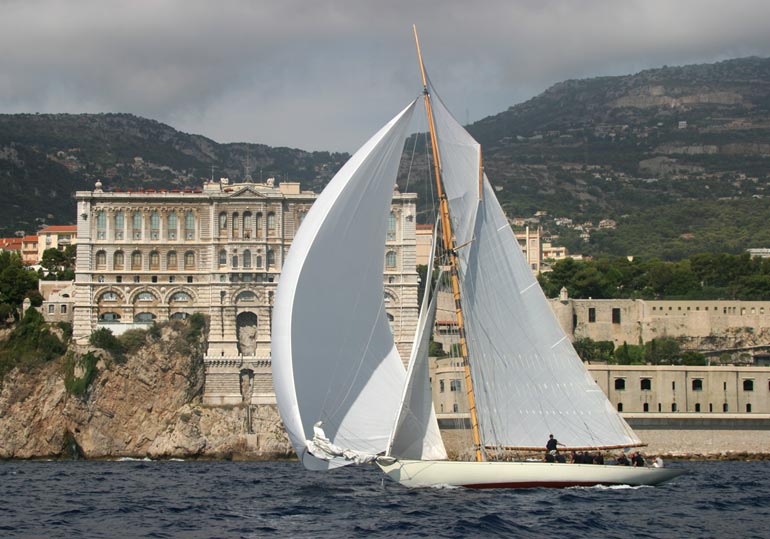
point(325, 75)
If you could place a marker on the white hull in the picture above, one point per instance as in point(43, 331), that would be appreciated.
point(419, 473)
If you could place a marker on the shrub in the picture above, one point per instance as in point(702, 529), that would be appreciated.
point(79, 385)
point(104, 339)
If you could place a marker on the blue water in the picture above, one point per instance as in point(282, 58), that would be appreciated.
point(280, 499)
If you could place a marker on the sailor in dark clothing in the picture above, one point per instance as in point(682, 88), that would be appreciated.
point(598, 458)
point(551, 444)
point(623, 460)
point(637, 460)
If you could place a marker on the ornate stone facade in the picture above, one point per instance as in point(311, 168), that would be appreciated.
point(155, 255)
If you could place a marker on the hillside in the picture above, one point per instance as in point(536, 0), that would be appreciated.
point(45, 158)
point(642, 151)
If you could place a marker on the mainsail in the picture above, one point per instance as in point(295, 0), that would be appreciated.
point(334, 359)
point(528, 380)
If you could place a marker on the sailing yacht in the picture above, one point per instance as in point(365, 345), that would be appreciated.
point(341, 386)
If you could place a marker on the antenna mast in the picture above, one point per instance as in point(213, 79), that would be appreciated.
point(449, 242)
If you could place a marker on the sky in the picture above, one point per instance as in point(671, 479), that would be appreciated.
point(325, 75)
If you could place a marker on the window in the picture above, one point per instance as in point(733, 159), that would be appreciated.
point(171, 260)
point(620, 384)
point(101, 225)
point(235, 225)
point(646, 384)
point(144, 317)
point(392, 226)
point(591, 314)
point(748, 408)
point(697, 407)
point(724, 407)
point(247, 224)
point(51, 309)
point(748, 385)
point(180, 296)
point(620, 407)
point(120, 224)
point(154, 260)
point(136, 260)
point(119, 279)
point(246, 258)
point(222, 221)
point(259, 225)
point(673, 386)
point(189, 279)
point(455, 408)
point(189, 225)
point(171, 224)
point(271, 224)
point(145, 296)
point(454, 385)
point(697, 384)
point(109, 317)
point(270, 258)
point(390, 259)
point(155, 225)
point(646, 407)
point(235, 261)
point(137, 225)
point(259, 261)
point(101, 260)
point(109, 296)
point(441, 386)
point(189, 260)
point(673, 407)
point(222, 257)
point(616, 315)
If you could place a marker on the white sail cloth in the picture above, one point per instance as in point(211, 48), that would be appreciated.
point(416, 435)
point(528, 380)
point(334, 359)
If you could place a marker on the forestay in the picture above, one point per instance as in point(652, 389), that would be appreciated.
point(528, 380)
point(334, 359)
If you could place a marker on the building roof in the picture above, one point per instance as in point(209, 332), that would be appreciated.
point(58, 228)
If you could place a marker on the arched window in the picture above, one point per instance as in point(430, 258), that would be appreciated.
point(179, 316)
point(620, 384)
point(235, 224)
point(171, 262)
point(145, 296)
point(271, 224)
point(154, 260)
point(120, 224)
point(189, 225)
point(390, 259)
point(109, 317)
point(109, 296)
point(154, 225)
point(646, 384)
point(171, 224)
point(101, 225)
point(246, 296)
point(246, 258)
point(101, 260)
point(748, 385)
point(222, 257)
point(697, 384)
point(270, 258)
point(144, 317)
point(259, 261)
point(118, 260)
point(189, 260)
point(247, 224)
point(235, 261)
point(620, 407)
point(222, 221)
point(180, 296)
point(137, 225)
point(136, 260)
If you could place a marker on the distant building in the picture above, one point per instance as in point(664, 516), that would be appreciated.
point(529, 241)
point(56, 237)
point(424, 240)
point(58, 300)
point(29, 250)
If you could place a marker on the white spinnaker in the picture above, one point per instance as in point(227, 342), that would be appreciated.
point(416, 434)
point(334, 359)
point(528, 380)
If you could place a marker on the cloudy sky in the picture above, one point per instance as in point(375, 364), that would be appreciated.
point(324, 75)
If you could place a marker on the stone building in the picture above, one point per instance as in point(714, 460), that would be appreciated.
point(145, 256)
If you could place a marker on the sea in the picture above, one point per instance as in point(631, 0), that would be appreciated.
point(224, 499)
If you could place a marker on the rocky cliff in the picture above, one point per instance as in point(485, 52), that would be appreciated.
point(148, 405)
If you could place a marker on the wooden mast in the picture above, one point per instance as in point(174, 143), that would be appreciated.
point(449, 242)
